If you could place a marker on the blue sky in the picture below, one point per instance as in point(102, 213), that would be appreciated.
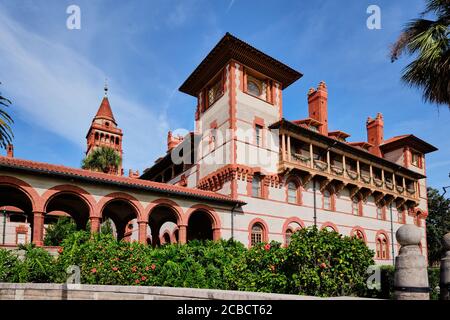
point(146, 49)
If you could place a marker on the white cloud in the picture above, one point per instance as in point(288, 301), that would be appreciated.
point(56, 88)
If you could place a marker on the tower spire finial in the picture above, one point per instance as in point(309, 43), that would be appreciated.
point(106, 87)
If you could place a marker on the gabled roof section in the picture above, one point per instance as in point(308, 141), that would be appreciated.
point(104, 178)
point(409, 140)
point(105, 111)
point(230, 47)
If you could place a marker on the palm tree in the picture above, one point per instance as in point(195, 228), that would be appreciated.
point(103, 159)
point(429, 41)
point(6, 133)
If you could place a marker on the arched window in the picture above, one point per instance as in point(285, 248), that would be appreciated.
point(327, 200)
point(289, 233)
point(292, 192)
point(96, 136)
point(382, 247)
point(358, 234)
point(356, 206)
point(257, 234)
point(256, 186)
point(117, 140)
point(380, 212)
point(253, 88)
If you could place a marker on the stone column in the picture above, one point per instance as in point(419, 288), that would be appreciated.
point(95, 224)
point(445, 269)
point(38, 228)
point(142, 231)
point(182, 234)
point(411, 274)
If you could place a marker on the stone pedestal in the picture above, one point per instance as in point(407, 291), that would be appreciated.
point(411, 274)
point(445, 269)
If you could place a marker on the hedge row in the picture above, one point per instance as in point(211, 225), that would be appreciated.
point(319, 263)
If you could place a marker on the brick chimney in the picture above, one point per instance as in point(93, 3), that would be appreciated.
point(318, 106)
point(375, 133)
point(133, 174)
point(172, 141)
point(10, 151)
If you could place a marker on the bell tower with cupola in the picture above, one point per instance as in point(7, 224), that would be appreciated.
point(103, 131)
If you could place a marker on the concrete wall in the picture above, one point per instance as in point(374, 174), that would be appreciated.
point(50, 291)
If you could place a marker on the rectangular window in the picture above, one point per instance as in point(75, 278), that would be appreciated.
point(215, 90)
point(380, 214)
point(416, 159)
point(256, 186)
point(258, 132)
point(21, 238)
point(355, 207)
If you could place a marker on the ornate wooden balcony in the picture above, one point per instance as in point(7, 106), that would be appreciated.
point(336, 175)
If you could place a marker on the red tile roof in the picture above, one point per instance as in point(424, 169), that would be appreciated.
point(105, 111)
point(59, 170)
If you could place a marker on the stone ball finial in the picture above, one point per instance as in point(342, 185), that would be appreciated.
point(446, 242)
point(311, 91)
point(409, 234)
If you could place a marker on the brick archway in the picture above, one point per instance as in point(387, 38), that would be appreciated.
point(135, 203)
point(210, 213)
point(68, 189)
point(167, 203)
point(27, 189)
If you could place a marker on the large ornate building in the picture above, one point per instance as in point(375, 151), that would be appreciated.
point(245, 172)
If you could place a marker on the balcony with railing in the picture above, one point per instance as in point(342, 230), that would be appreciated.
point(336, 166)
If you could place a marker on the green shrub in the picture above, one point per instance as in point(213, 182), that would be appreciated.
point(38, 266)
point(323, 263)
point(317, 262)
point(9, 264)
point(57, 232)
